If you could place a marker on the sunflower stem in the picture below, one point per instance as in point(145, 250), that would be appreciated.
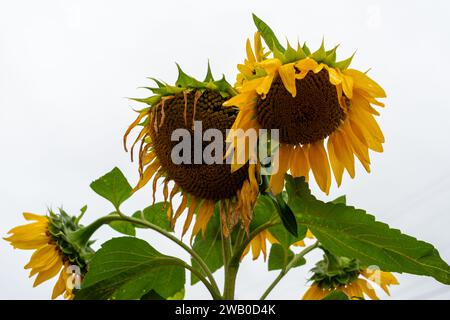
point(289, 266)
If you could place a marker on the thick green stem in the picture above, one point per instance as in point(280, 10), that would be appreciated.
point(82, 236)
point(289, 266)
point(230, 270)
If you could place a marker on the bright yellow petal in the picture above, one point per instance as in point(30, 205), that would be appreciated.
point(205, 213)
point(306, 64)
point(315, 293)
point(362, 81)
point(282, 158)
point(367, 289)
point(336, 165)
point(318, 160)
point(34, 217)
point(344, 152)
point(299, 164)
point(48, 274)
point(287, 75)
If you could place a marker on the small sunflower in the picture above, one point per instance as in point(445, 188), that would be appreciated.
point(202, 185)
point(53, 254)
point(323, 109)
point(346, 275)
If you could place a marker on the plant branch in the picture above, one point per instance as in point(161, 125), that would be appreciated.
point(289, 266)
point(170, 236)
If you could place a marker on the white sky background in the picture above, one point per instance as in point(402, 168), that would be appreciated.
point(65, 68)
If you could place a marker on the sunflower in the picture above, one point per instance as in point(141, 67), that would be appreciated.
point(346, 275)
point(53, 254)
point(322, 109)
point(202, 185)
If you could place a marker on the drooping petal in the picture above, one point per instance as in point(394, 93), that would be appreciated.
point(287, 75)
point(344, 152)
point(318, 160)
point(281, 166)
point(299, 164)
point(336, 165)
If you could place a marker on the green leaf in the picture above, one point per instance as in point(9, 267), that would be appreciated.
point(336, 295)
point(128, 268)
point(286, 215)
point(123, 227)
point(349, 232)
point(155, 214)
point(264, 211)
point(113, 186)
point(268, 35)
point(209, 247)
point(279, 257)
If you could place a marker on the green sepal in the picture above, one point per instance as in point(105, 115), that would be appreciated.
point(209, 77)
point(150, 100)
point(330, 58)
point(320, 54)
point(306, 49)
point(185, 81)
point(344, 64)
point(292, 55)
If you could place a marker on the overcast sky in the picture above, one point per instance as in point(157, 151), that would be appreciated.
point(65, 68)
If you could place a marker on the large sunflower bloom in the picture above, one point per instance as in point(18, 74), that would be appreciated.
point(52, 255)
point(202, 185)
point(323, 110)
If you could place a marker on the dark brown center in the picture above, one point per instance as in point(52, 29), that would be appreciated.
point(206, 181)
point(312, 115)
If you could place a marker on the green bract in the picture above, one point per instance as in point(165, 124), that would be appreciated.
point(186, 83)
point(289, 54)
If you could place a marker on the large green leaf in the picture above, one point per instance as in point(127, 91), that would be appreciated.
point(123, 227)
point(113, 186)
point(353, 233)
point(268, 35)
point(155, 214)
point(279, 258)
point(209, 247)
point(129, 268)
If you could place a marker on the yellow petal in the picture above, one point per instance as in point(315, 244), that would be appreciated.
point(336, 165)
point(344, 152)
point(34, 217)
point(205, 213)
point(60, 286)
point(287, 74)
point(48, 274)
point(248, 48)
point(367, 289)
point(190, 215)
point(315, 293)
point(281, 164)
point(299, 164)
point(306, 64)
point(42, 256)
point(318, 160)
point(362, 81)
